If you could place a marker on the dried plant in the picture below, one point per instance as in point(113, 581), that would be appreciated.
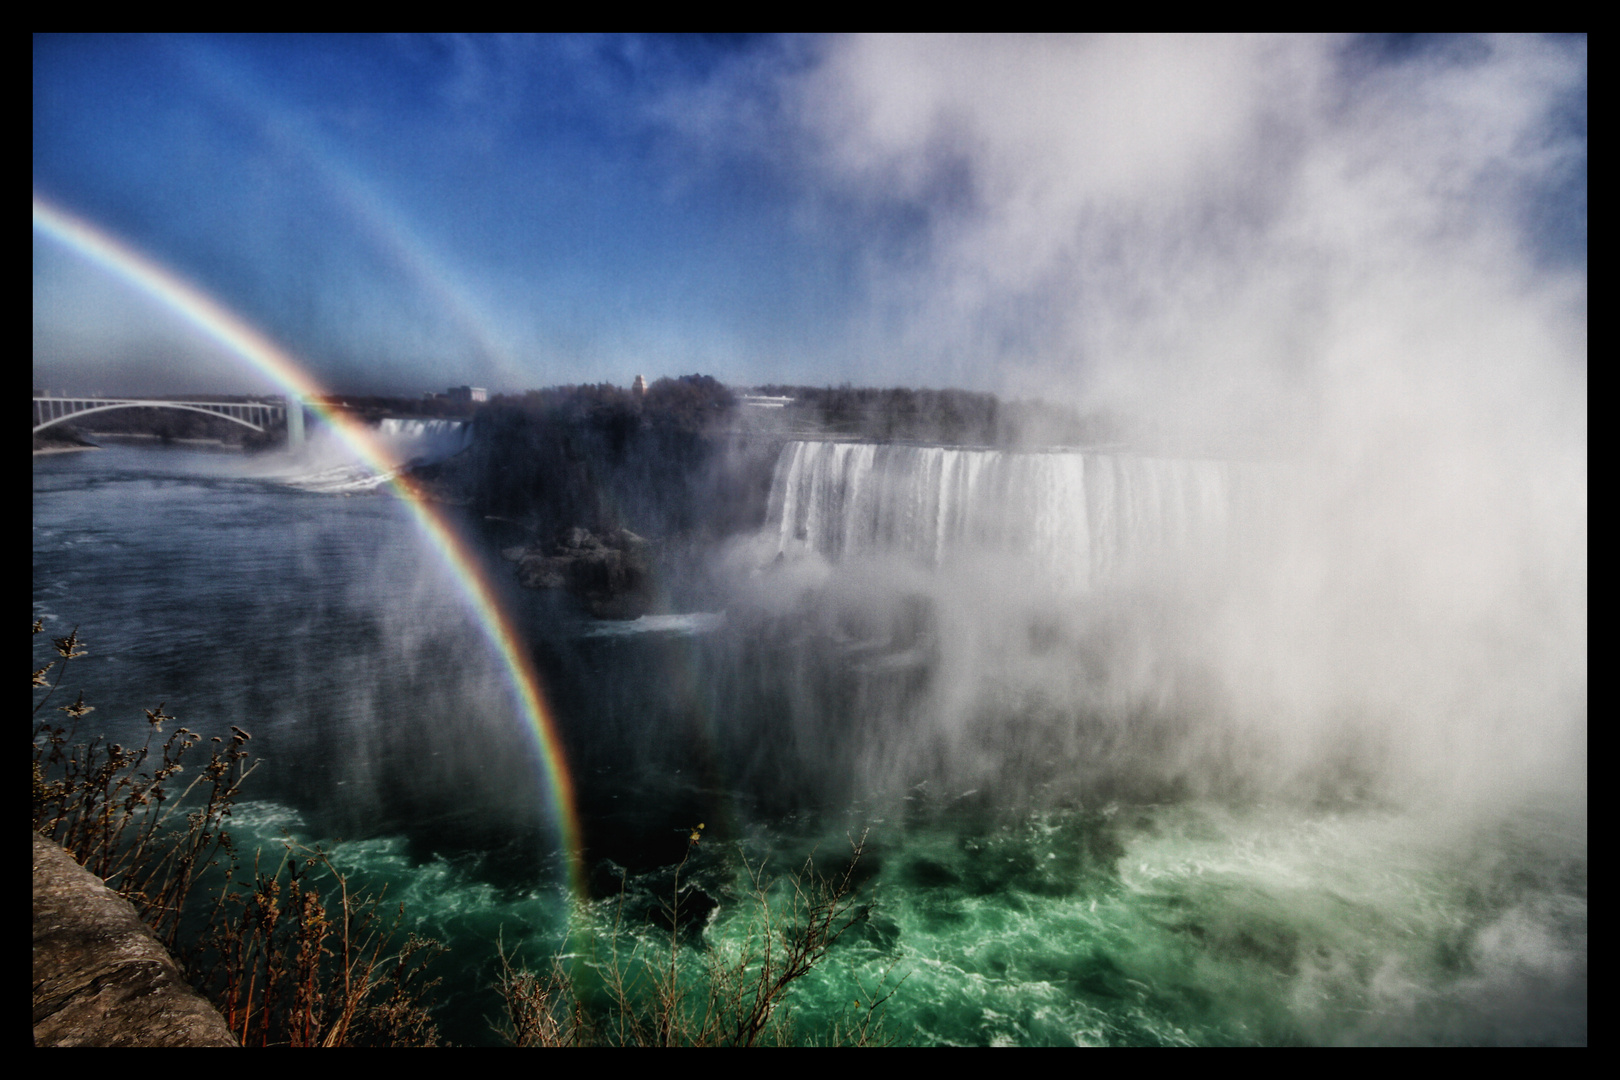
point(282, 968)
point(284, 971)
point(729, 995)
point(540, 1011)
point(115, 809)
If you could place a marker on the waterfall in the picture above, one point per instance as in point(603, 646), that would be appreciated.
point(433, 440)
point(1092, 516)
point(323, 464)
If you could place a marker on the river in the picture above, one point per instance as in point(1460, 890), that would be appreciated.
point(328, 628)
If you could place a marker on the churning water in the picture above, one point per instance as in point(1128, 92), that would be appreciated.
point(1085, 825)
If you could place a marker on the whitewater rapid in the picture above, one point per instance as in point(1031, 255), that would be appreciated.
point(331, 470)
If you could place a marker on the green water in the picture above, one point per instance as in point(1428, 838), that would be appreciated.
point(1152, 925)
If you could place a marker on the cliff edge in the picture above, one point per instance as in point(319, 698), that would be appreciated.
point(101, 977)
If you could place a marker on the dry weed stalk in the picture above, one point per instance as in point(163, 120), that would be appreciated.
point(732, 996)
point(281, 969)
point(539, 1011)
point(286, 972)
point(113, 809)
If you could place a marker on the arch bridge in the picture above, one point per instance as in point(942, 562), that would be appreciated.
point(258, 415)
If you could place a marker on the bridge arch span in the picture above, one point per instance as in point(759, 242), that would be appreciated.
point(53, 421)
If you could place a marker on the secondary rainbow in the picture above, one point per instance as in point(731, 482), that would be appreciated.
point(207, 315)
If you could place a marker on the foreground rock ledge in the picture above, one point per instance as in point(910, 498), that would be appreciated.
point(101, 977)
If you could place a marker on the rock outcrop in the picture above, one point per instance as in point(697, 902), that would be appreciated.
point(610, 574)
point(101, 977)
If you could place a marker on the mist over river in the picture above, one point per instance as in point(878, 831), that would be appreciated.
point(1087, 824)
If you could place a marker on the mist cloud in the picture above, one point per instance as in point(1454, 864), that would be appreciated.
point(1320, 253)
point(1166, 218)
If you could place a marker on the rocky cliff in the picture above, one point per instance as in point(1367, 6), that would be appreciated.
point(101, 977)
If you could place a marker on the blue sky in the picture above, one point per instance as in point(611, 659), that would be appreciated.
point(1116, 220)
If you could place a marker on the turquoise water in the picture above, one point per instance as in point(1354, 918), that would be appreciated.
point(1183, 925)
point(387, 736)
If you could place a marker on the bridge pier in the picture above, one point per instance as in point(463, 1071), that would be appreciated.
point(295, 421)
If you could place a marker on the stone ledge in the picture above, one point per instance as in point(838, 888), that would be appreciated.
point(101, 977)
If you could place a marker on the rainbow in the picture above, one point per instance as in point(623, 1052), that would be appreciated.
point(361, 201)
point(202, 312)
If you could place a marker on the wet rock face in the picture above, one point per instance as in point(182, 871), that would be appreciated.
point(101, 977)
point(610, 573)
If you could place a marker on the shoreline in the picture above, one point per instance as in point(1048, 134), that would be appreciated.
point(119, 436)
point(114, 436)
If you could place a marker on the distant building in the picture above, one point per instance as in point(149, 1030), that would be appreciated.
point(467, 394)
point(639, 387)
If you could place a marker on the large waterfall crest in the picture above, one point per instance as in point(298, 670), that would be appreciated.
point(1089, 516)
